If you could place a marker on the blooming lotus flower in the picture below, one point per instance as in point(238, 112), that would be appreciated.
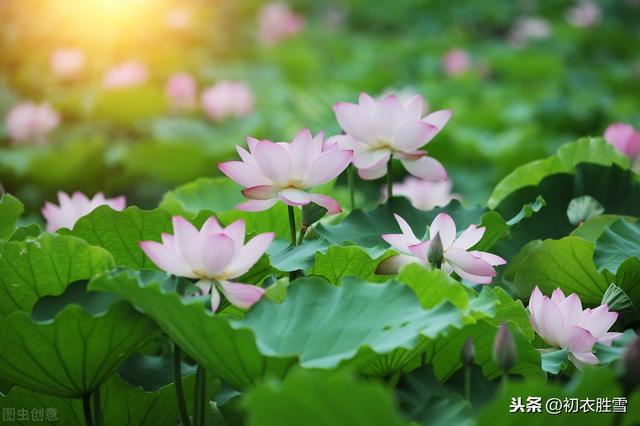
point(181, 90)
point(67, 63)
point(424, 194)
point(29, 122)
point(277, 22)
point(213, 255)
point(378, 130)
point(73, 208)
point(584, 14)
point(126, 74)
point(624, 138)
point(272, 171)
point(456, 62)
point(562, 323)
point(474, 266)
point(227, 99)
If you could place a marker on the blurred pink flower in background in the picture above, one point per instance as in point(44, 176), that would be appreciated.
point(181, 91)
point(378, 130)
point(424, 194)
point(529, 28)
point(179, 18)
point(29, 122)
point(584, 14)
point(228, 99)
point(70, 209)
point(272, 171)
point(453, 253)
point(68, 63)
point(456, 62)
point(277, 22)
point(213, 255)
point(625, 138)
point(562, 323)
point(126, 74)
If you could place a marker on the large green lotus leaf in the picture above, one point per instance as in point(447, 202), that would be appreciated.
point(426, 400)
point(73, 353)
point(619, 241)
point(286, 257)
point(226, 350)
point(433, 286)
point(589, 383)
point(310, 323)
point(586, 150)
point(566, 263)
point(122, 404)
point(314, 398)
point(364, 228)
point(616, 189)
point(45, 266)
point(593, 228)
point(10, 210)
point(338, 262)
point(120, 232)
point(213, 194)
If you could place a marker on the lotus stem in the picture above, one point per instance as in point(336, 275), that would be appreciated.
point(177, 380)
point(467, 383)
point(197, 397)
point(292, 224)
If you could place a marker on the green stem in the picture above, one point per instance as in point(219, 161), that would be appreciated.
point(302, 233)
point(352, 186)
point(197, 388)
point(389, 179)
point(467, 383)
point(86, 408)
point(203, 398)
point(177, 379)
point(97, 409)
point(292, 224)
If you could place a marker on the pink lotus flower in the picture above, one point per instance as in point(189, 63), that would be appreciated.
point(529, 28)
point(67, 64)
point(424, 194)
point(227, 99)
point(452, 252)
point(378, 130)
point(456, 62)
point(73, 208)
point(584, 14)
point(126, 74)
point(624, 138)
point(277, 22)
point(213, 255)
point(562, 323)
point(282, 171)
point(29, 122)
point(181, 90)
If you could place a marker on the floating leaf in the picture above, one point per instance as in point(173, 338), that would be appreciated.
point(45, 266)
point(313, 399)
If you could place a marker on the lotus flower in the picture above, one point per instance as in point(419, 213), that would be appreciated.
point(282, 171)
point(378, 130)
point(562, 323)
point(529, 28)
point(624, 138)
point(424, 194)
point(181, 90)
point(584, 14)
point(29, 122)
point(442, 247)
point(68, 63)
point(456, 62)
point(227, 99)
point(73, 208)
point(124, 75)
point(277, 22)
point(213, 255)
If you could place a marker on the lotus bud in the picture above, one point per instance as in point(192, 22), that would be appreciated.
point(435, 251)
point(505, 353)
point(468, 352)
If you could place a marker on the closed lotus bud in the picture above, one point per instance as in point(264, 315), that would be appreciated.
point(505, 353)
point(468, 352)
point(631, 362)
point(435, 251)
